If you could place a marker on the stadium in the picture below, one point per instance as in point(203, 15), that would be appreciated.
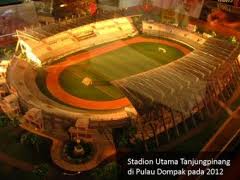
point(79, 81)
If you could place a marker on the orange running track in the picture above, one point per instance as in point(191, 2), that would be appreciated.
point(54, 71)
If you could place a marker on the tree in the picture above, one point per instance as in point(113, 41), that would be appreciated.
point(126, 135)
point(233, 39)
point(32, 139)
point(35, 141)
point(15, 122)
point(214, 34)
point(123, 140)
point(41, 171)
point(3, 121)
point(132, 131)
point(8, 53)
point(107, 172)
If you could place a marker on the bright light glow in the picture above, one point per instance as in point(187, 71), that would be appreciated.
point(30, 55)
point(33, 58)
point(206, 35)
point(4, 63)
point(3, 70)
point(63, 5)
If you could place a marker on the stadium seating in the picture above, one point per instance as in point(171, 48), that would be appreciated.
point(64, 43)
point(172, 32)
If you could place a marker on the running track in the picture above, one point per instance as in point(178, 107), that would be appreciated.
point(54, 71)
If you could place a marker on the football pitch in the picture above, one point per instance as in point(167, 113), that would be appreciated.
point(123, 62)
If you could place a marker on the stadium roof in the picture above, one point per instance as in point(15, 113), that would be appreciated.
point(44, 31)
point(182, 84)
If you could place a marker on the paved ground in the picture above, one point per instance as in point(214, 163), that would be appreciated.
point(22, 165)
point(54, 72)
point(103, 150)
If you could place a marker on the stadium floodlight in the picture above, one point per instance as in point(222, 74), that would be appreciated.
point(33, 58)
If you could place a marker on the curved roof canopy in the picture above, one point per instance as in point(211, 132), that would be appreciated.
point(182, 84)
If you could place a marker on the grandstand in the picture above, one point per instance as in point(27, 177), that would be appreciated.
point(42, 49)
point(171, 32)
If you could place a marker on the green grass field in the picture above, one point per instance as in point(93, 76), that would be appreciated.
point(103, 69)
